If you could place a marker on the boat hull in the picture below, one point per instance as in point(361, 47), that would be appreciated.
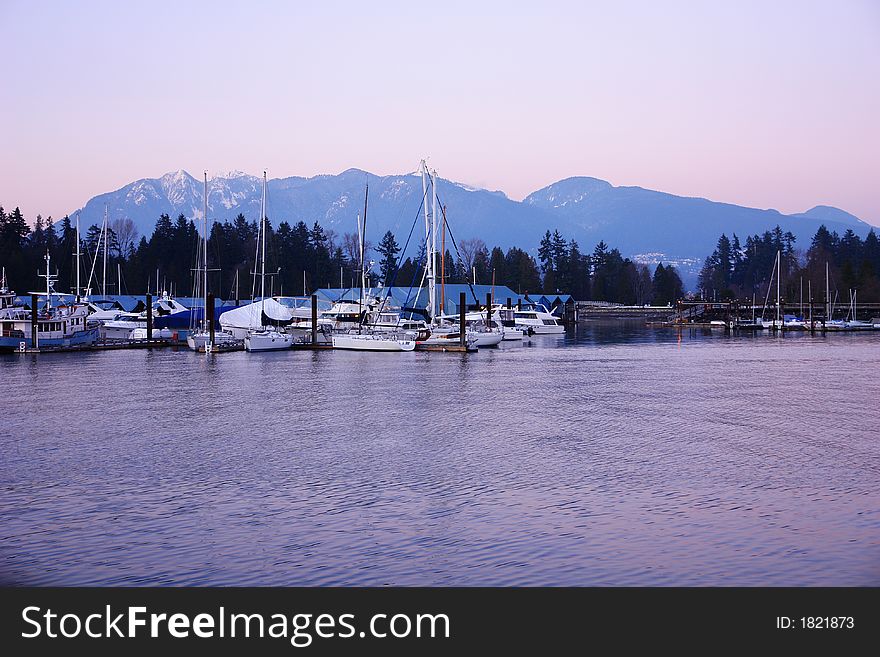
point(87, 338)
point(267, 341)
point(197, 340)
point(372, 343)
point(543, 329)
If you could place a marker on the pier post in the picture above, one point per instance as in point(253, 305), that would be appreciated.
point(508, 303)
point(519, 304)
point(149, 316)
point(209, 318)
point(488, 310)
point(462, 311)
point(34, 323)
point(314, 319)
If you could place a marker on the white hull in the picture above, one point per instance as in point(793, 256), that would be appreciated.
point(512, 334)
point(544, 329)
point(488, 339)
point(267, 341)
point(196, 340)
point(372, 343)
point(121, 330)
point(158, 334)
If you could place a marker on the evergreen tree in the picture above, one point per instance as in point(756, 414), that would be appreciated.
point(388, 250)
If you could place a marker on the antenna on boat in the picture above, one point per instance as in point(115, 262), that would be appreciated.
point(50, 279)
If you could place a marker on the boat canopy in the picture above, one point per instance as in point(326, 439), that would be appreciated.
point(257, 314)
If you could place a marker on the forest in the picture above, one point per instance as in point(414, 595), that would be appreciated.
point(737, 270)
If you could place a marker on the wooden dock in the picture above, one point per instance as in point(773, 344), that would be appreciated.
point(106, 345)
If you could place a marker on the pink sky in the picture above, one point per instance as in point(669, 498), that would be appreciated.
point(762, 104)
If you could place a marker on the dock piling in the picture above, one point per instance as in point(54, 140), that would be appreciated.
point(314, 319)
point(149, 317)
point(34, 323)
point(209, 318)
point(462, 311)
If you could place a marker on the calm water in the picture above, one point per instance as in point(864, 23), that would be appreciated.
point(613, 456)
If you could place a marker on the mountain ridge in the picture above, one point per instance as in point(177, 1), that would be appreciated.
point(636, 220)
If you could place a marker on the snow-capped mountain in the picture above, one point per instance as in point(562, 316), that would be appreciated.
point(632, 219)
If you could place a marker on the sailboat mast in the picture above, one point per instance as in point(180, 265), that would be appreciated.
point(263, 247)
point(77, 259)
point(778, 283)
point(434, 241)
point(104, 283)
point(827, 295)
point(443, 261)
point(362, 234)
point(205, 252)
point(429, 264)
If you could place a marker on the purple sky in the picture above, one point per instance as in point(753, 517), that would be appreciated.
point(764, 104)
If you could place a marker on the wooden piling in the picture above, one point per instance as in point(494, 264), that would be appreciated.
point(508, 303)
point(462, 311)
point(34, 323)
point(314, 319)
point(209, 318)
point(149, 316)
point(488, 310)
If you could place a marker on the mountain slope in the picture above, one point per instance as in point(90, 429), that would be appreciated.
point(632, 219)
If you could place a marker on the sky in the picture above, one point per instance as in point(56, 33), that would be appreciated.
point(765, 104)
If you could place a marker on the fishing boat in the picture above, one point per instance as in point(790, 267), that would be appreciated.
point(200, 337)
point(58, 326)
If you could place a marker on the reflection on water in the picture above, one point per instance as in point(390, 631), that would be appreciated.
point(612, 455)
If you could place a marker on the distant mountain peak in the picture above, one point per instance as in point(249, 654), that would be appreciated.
point(568, 192)
point(830, 213)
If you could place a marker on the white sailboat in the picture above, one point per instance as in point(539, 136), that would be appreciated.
point(265, 338)
point(366, 339)
point(199, 338)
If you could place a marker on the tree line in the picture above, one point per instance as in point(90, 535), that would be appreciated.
point(301, 258)
point(737, 271)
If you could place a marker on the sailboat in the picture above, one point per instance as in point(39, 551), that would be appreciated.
point(779, 322)
point(362, 339)
point(265, 338)
point(199, 338)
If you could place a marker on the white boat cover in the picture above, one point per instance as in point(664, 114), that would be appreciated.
point(256, 315)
